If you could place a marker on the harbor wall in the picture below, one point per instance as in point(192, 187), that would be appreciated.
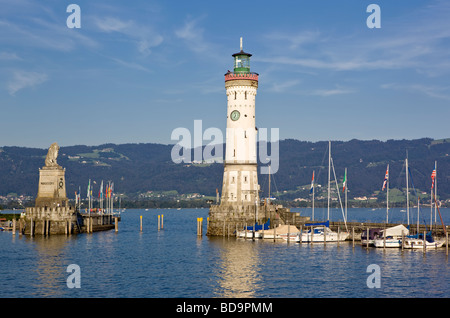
point(224, 219)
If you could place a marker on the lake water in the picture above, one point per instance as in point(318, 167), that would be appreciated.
point(175, 263)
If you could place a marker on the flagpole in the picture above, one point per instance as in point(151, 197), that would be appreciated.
point(313, 197)
point(79, 199)
point(345, 193)
point(329, 176)
point(407, 188)
point(435, 190)
point(387, 196)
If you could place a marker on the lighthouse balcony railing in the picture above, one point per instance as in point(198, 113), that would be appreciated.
point(238, 76)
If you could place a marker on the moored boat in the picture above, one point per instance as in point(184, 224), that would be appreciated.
point(391, 237)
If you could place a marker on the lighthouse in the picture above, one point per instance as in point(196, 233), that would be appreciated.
point(239, 203)
point(240, 178)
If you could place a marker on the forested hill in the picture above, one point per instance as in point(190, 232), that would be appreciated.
point(139, 168)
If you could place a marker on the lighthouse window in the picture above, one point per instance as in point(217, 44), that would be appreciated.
point(232, 179)
point(235, 94)
point(245, 197)
point(245, 133)
point(245, 180)
point(245, 94)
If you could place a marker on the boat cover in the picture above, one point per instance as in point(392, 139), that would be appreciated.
point(283, 229)
point(396, 230)
point(258, 227)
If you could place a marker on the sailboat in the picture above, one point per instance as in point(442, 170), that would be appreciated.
point(391, 237)
point(425, 240)
point(321, 232)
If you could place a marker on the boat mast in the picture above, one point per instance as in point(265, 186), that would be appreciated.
point(435, 190)
point(313, 186)
point(346, 187)
point(329, 176)
point(387, 196)
point(269, 188)
point(339, 196)
point(407, 188)
point(418, 203)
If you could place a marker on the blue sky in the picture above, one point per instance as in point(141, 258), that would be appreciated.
point(136, 70)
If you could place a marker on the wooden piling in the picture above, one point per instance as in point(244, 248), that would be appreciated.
point(14, 227)
point(288, 233)
point(162, 221)
point(339, 235)
point(199, 226)
point(140, 223)
point(446, 242)
point(367, 238)
point(403, 240)
point(116, 224)
point(159, 222)
point(31, 227)
point(353, 236)
point(301, 235)
point(424, 241)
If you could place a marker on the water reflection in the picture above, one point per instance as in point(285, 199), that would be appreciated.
point(50, 270)
point(238, 268)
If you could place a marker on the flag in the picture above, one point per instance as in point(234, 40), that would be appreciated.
point(433, 177)
point(386, 178)
point(312, 183)
point(89, 188)
point(100, 192)
point(344, 184)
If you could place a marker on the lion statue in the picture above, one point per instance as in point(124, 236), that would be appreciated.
point(50, 160)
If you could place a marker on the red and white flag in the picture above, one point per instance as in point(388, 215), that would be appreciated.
point(386, 178)
point(433, 177)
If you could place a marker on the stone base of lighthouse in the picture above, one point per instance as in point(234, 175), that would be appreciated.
point(224, 219)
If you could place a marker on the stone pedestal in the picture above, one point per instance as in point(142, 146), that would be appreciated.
point(51, 213)
point(52, 188)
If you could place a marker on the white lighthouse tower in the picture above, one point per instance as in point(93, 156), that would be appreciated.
point(239, 204)
point(240, 179)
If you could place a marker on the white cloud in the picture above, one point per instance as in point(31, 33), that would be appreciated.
point(434, 91)
point(330, 92)
point(22, 79)
point(6, 56)
point(192, 35)
point(144, 37)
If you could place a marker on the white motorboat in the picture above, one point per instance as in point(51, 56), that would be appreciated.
point(280, 232)
point(417, 242)
point(413, 243)
point(389, 242)
point(393, 236)
point(322, 233)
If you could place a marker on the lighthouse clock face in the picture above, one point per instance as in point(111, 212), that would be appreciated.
point(235, 115)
